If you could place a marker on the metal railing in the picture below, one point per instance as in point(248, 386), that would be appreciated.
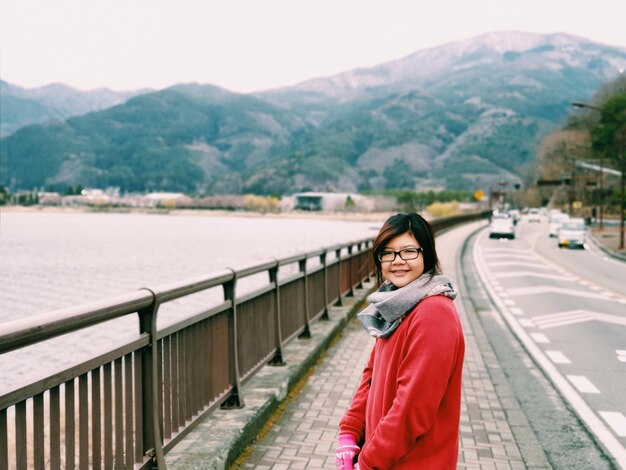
point(129, 406)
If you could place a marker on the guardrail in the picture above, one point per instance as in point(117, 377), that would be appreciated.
point(131, 405)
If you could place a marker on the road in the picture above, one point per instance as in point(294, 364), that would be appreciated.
point(568, 310)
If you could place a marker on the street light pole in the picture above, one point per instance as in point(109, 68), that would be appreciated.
point(623, 166)
point(621, 223)
point(601, 171)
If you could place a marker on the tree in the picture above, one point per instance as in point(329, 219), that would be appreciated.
point(398, 175)
point(4, 196)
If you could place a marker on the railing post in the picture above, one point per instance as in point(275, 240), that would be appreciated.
point(277, 360)
point(325, 315)
point(350, 270)
point(369, 262)
point(306, 334)
point(236, 398)
point(361, 266)
point(339, 302)
point(150, 387)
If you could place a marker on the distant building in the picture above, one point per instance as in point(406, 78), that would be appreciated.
point(49, 198)
point(169, 200)
point(311, 201)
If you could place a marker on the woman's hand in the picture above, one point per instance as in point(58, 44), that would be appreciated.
point(345, 452)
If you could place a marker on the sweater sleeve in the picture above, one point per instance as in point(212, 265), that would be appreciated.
point(353, 421)
point(429, 357)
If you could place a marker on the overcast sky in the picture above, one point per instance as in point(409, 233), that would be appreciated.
point(250, 45)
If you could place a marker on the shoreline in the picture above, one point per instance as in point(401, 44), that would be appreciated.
point(291, 214)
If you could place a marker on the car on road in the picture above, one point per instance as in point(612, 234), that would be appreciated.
point(572, 233)
point(556, 220)
point(534, 215)
point(502, 226)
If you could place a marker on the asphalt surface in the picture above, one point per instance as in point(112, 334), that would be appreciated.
point(566, 310)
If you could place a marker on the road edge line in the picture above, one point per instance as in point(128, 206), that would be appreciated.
point(600, 433)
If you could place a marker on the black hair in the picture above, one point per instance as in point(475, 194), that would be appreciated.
point(416, 225)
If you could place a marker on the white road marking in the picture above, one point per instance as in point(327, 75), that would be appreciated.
point(556, 277)
point(610, 318)
point(558, 357)
point(534, 290)
point(506, 251)
point(621, 355)
point(524, 264)
point(592, 420)
point(509, 302)
point(527, 323)
point(616, 420)
point(564, 318)
point(509, 256)
point(517, 311)
point(539, 338)
point(582, 384)
point(576, 316)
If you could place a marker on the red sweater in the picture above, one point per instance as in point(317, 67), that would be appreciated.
point(408, 404)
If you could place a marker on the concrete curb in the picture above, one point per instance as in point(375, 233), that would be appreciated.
point(598, 244)
point(224, 435)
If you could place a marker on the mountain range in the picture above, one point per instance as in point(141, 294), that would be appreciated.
point(463, 115)
point(21, 107)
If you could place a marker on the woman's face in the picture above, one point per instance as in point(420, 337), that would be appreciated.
point(401, 272)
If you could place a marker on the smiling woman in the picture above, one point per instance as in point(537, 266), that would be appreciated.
point(403, 266)
point(405, 413)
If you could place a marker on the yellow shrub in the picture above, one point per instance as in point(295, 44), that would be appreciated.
point(443, 209)
point(261, 203)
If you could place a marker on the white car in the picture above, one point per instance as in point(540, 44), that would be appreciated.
point(556, 220)
point(502, 226)
point(534, 215)
point(572, 233)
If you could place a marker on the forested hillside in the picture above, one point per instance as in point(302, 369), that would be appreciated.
point(460, 116)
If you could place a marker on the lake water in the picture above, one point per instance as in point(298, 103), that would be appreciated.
point(54, 260)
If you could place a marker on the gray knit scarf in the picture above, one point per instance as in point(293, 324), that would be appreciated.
point(388, 306)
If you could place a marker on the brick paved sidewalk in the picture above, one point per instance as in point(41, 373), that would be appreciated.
point(303, 436)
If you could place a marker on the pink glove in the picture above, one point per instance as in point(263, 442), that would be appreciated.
point(345, 452)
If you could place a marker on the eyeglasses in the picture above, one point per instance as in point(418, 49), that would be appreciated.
point(406, 254)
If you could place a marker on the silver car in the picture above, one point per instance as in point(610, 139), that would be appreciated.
point(572, 233)
point(502, 227)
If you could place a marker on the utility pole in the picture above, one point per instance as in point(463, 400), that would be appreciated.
point(622, 127)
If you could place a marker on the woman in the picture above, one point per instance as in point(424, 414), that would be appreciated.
point(405, 413)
